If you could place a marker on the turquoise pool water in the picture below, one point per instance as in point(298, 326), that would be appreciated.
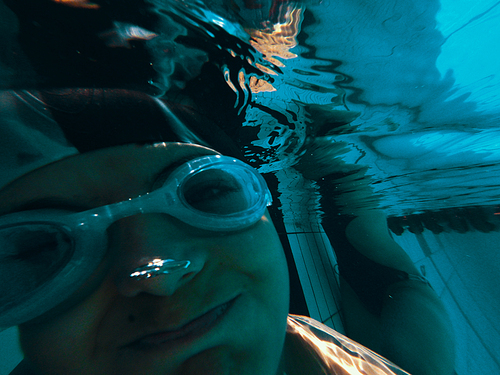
point(396, 104)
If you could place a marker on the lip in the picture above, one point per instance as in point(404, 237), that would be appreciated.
point(188, 332)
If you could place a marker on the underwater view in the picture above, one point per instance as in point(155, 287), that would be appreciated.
point(373, 123)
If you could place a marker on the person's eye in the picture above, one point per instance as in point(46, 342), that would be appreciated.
point(36, 243)
point(210, 191)
point(31, 254)
point(215, 192)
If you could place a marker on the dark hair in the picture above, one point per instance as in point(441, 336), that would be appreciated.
point(92, 119)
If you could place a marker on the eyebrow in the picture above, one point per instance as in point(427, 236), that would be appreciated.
point(163, 174)
point(59, 203)
point(56, 203)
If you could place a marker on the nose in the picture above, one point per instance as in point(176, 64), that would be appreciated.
point(154, 254)
point(160, 284)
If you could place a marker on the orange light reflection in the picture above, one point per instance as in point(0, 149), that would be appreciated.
point(341, 355)
point(280, 40)
point(274, 44)
point(85, 4)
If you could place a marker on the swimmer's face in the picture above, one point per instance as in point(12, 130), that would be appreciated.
point(117, 327)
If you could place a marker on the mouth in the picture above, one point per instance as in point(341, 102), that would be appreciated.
point(189, 332)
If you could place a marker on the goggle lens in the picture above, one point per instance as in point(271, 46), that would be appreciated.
point(217, 192)
point(30, 255)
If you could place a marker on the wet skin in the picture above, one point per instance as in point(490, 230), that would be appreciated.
point(115, 328)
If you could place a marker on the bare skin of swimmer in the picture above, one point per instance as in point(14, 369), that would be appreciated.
point(94, 336)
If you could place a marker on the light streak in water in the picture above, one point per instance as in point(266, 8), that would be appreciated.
point(86, 4)
point(278, 42)
point(338, 354)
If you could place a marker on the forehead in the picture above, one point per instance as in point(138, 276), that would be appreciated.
point(98, 177)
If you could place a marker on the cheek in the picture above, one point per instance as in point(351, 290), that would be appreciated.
point(260, 331)
point(47, 347)
point(66, 344)
point(258, 254)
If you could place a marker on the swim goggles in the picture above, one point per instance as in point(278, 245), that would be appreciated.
point(46, 255)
